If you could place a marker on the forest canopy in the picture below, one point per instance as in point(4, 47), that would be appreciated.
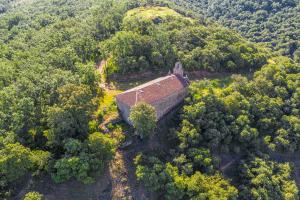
point(248, 114)
point(153, 38)
point(252, 120)
point(49, 91)
point(50, 108)
point(273, 22)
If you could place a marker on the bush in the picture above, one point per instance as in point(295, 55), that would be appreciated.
point(143, 117)
point(33, 196)
point(245, 112)
point(261, 178)
point(166, 181)
point(81, 160)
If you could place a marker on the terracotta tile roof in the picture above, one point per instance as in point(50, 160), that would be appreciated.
point(154, 90)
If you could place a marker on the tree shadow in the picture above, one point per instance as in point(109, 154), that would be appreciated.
point(122, 169)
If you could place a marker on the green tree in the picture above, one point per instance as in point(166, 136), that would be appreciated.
point(259, 21)
point(166, 181)
point(69, 167)
point(33, 196)
point(158, 177)
point(200, 186)
point(16, 161)
point(264, 179)
point(245, 112)
point(101, 148)
point(83, 159)
point(129, 51)
point(70, 117)
point(143, 118)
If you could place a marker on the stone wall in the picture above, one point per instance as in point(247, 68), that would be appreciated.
point(124, 111)
point(162, 106)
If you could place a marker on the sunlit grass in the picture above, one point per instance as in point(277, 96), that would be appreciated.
point(153, 13)
point(108, 98)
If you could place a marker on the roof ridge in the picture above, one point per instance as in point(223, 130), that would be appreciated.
point(149, 83)
point(154, 90)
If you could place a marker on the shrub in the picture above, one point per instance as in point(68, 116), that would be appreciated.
point(33, 196)
point(143, 117)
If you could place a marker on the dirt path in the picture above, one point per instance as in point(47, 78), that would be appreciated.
point(101, 66)
point(119, 175)
point(122, 169)
point(225, 166)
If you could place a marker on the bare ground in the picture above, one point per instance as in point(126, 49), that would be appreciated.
point(71, 190)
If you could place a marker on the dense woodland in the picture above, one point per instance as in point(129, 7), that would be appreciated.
point(252, 118)
point(274, 22)
point(50, 106)
point(49, 91)
point(263, 112)
point(157, 42)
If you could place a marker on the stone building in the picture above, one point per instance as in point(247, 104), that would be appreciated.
point(163, 94)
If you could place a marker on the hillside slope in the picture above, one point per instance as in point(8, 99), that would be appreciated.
point(52, 105)
point(273, 22)
point(153, 38)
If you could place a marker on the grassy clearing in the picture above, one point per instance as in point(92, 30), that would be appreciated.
point(153, 13)
point(107, 107)
point(108, 98)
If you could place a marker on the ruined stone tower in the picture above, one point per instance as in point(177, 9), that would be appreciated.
point(178, 69)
